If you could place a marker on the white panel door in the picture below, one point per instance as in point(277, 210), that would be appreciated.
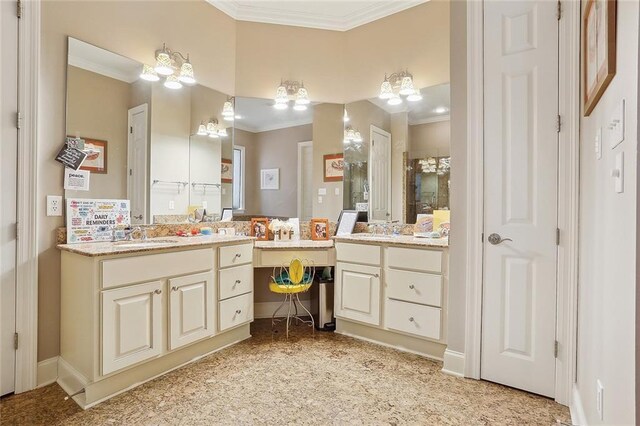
point(191, 309)
point(357, 293)
point(8, 180)
point(131, 325)
point(380, 175)
point(137, 164)
point(521, 109)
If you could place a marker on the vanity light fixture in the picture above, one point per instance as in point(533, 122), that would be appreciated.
point(288, 90)
point(397, 84)
point(176, 67)
point(228, 112)
point(212, 128)
point(352, 135)
point(202, 130)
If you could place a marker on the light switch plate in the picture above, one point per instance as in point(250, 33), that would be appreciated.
point(172, 205)
point(618, 173)
point(616, 125)
point(319, 199)
point(322, 191)
point(337, 191)
point(54, 205)
point(598, 143)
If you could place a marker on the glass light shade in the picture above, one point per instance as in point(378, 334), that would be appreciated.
point(406, 87)
point(357, 137)
point(149, 73)
point(386, 91)
point(351, 134)
point(223, 132)
point(172, 82)
point(212, 128)
point(202, 130)
point(394, 100)
point(281, 105)
point(281, 94)
point(415, 97)
point(346, 137)
point(186, 73)
point(345, 118)
point(302, 98)
point(163, 64)
point(299, 107)
point(227, 110)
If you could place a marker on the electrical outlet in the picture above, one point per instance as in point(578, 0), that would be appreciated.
point(172, 205)
point(322, 191)
point(319, 199)
point(54, 205)
point(600, 399)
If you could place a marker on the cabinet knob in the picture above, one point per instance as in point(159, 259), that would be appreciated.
point(411, 319)
point(239, 311)
point(174, 288)
point(158, 291)
point(412, 286)
point(377, 275)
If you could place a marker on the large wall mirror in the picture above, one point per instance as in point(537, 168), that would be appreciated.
point(168, 150)
point(397, 157)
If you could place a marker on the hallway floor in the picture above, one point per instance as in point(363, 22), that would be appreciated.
point(321, 379)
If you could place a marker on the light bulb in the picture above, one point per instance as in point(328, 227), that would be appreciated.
point(149, 74)
point(186, 73)
point(394, 100)
point(202, 130)
point(406, 87)
point(163, 64)
point(223, 132)
point(172, 82)
point(414, 97)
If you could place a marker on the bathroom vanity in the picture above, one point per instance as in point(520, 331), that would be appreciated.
point(393, 291)
point(131, 311)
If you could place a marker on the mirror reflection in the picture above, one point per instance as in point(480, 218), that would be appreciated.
point(167, 149)
point(397, 156)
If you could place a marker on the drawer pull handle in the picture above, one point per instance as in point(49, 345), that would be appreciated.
point(174, 288)
point(158, 291)
point(411, 319)
point(412, 286)
point(238, 312)
point(377, 275)
point(238, 255)
point(238, 281)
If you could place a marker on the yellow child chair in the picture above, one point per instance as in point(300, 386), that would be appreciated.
point(297, 279)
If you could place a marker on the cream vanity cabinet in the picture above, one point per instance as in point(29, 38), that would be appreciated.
point(395, 295)
point(128, 317)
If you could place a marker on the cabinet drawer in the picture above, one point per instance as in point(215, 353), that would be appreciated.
point(417, 287)
point(412, 318)
point(235, 281)
point(240, 254)
point(420, 260)
point(235, 311)
point(358, 253)
point(150, 267)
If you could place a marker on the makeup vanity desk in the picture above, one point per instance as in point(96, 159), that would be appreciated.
point(270, 254)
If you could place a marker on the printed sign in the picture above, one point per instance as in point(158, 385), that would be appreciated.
point(71, 157)
point(93, 220)
point(76, 180)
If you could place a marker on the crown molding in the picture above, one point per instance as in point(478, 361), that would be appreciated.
point(430, 120)
point(258, 13)
point(97, 68)
point(276, 126)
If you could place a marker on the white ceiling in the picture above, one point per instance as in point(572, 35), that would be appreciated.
point(259, 115)
point(92, 58)
point(423, 111)
point(334, 15)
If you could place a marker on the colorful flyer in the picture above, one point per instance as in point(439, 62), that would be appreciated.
point(94, 220)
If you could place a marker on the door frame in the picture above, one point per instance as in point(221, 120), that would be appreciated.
point(140, 108)
point(568, 195)
point(28, 207)
point(377, 129)
point(299, 187)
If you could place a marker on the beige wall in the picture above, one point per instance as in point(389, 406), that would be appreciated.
point(430, 140)
point(608, 243)
point(399, 145)
point(104, 120)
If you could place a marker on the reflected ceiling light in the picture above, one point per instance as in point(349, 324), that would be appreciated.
point(288, 90)
point(397, 84)
point(176, 67)
point(149, 74)
point(352, 135)
point(223, 132)
point(172, 82)
point(202, 130)
point(345, 117)
point(357, 137)
point(212, 128)
point(228, 112)
point(440, 110)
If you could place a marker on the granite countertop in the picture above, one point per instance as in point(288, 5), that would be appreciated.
point(152, 244)
point(400, 240)
point(300, 244)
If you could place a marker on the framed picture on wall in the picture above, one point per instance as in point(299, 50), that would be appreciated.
point(260, 228)
point(96, 161)
point(333, 167)
point(226, 172)
point(598, 50)
point(319, 229)
point(270, 179)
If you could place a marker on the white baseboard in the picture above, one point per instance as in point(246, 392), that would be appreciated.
point(576, 409)
point(453, 363)
point(69, 379)
point(47, 371)
point(266, 309)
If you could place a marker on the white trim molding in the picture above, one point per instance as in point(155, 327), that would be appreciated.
point(576, 409)
point(430, 120)
point(47, 371)
point(27, 250)
point(453, 363)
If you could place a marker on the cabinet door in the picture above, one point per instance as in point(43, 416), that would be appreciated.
point(191, 309)
point(131, 325)
point(357, 294)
